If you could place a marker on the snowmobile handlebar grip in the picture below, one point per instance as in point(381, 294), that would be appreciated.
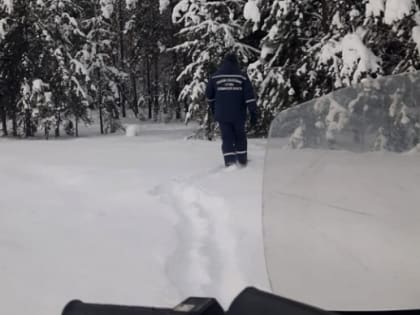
point(191, 306)
point(77, 307)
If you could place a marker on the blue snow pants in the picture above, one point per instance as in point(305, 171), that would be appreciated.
point(234, 142)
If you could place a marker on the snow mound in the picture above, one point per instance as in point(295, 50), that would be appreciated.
point(415, 150)
point(132, 131)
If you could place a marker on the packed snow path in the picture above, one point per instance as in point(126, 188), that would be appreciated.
point(147, 220)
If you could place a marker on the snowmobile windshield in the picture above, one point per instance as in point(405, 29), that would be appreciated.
point(341, 198)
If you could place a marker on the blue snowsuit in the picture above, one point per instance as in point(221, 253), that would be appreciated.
point(229, 93)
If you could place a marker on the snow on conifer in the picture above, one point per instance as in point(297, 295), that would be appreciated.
point(398, 9)
point(251, 11)
point(8, 5)
point(163, 5)
point(357, 59)
point(375, 8)
point(209, 30)
point(107, 8)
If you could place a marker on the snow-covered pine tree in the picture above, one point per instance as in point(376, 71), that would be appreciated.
point(171, 62)
point(285, 73)
point(24, 54)
point(370, 39)
point(119, 20)
point(97, 57)
point(209, 30)
point(145, 30)
point(39, 46)
point(67, 81)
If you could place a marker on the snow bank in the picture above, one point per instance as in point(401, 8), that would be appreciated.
point(155, 216)
point(415, 150)
point(132, 131)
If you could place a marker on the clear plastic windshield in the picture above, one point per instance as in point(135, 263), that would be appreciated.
point(342, 198)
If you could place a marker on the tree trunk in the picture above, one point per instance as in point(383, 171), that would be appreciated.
point(177, 111)
point(13, 116)
point(101, 119)
point(47, 131)
point(14, 123)
point(28, 125)
point(325, 16)
point(156, 86)
point(135, 97)
point(57, 124)
point(186, 107)
point(76, 129)
point(99, 101)
point(175, 92)
point(122, 55)
point(149, 87)
point(122, 100)
point(4, 119)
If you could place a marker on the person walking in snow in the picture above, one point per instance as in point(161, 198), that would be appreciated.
point(230, 93)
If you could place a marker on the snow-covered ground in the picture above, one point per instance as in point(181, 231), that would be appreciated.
point(145, 220)
point(153, 219)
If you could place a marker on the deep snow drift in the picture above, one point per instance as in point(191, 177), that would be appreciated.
point(145, 220)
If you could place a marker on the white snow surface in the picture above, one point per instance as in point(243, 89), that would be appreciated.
point(132, 130)
point(147, 220)
point(153, 219)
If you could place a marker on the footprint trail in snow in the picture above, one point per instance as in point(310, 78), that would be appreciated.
point(206, 244)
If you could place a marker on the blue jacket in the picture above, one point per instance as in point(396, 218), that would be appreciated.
point(229, 93)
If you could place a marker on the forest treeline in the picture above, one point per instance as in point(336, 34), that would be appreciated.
point(64, 62)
